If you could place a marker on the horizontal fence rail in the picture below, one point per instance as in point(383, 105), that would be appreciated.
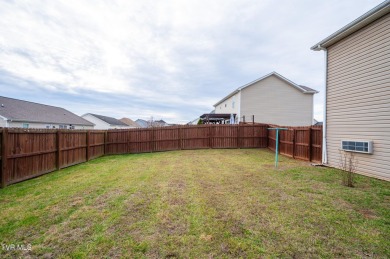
point(27, 153)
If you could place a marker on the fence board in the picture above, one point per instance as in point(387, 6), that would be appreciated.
point(303, 143)
point(96, 144)
point(195, 137)
point(140, 140)
point(29, 154)
point(73, 148)
point(3, 158)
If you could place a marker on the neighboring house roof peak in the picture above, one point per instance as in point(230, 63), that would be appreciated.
point(130, 122)
point(303, 89)
point(109, 120)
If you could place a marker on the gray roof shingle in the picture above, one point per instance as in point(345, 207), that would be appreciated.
point(109, 120)
point(19, 110)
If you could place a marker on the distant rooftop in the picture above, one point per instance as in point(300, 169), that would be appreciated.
point(25, 111)
point(130, 122)
point(109, 120)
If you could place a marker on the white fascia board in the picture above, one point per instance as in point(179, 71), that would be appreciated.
point(227, 97)
point(262, 78)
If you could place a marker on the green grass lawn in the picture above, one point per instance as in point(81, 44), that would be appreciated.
point(196, 204)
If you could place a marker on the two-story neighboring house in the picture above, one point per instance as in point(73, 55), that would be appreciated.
point(357, 96)
point(270, 99)
point(16, 113)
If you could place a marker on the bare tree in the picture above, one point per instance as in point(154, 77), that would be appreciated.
point(150, 122)
point(348, 163)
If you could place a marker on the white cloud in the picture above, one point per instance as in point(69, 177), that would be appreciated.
point(171, 55)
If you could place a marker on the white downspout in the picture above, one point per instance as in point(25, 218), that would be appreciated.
point(324, 143)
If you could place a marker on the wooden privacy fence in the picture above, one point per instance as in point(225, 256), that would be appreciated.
point(303, 143)
point(29, 153)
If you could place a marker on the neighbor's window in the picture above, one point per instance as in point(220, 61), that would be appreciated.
point(25, 125)
point(63, 126)
point(225, 104)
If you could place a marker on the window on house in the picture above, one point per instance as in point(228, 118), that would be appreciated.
point(47, 126)
point(63, 126)
point(233, 104)
point(25, 125)
point(357, 146)
point(225, 104)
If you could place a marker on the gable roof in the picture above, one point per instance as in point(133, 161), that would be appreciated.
point(142, 123)
point(367, 18)
point(25, 111)
point(129, 122)
point(145, 124)
point(303, 89)
point(109, 120)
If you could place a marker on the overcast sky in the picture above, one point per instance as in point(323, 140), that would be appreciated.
point(167, 59)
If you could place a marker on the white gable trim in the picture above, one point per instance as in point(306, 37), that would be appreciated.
point(262, 78)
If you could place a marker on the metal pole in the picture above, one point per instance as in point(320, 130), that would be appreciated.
point(277, 144)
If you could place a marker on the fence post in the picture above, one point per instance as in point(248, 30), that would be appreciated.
point(128, 141)
point(209, 136)
point(310, 149)
point(4, 157)
point(88, 133)
point(180, 138)
point(293, 141)
point(58, 154)
point(238, 136)
point(153, 140)
point(105, 142)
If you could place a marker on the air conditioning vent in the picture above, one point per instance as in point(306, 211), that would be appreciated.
point(362, 146)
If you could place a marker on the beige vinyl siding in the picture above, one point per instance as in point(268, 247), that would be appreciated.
point(358, 96)
point(275, 101)
point(220, 108)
